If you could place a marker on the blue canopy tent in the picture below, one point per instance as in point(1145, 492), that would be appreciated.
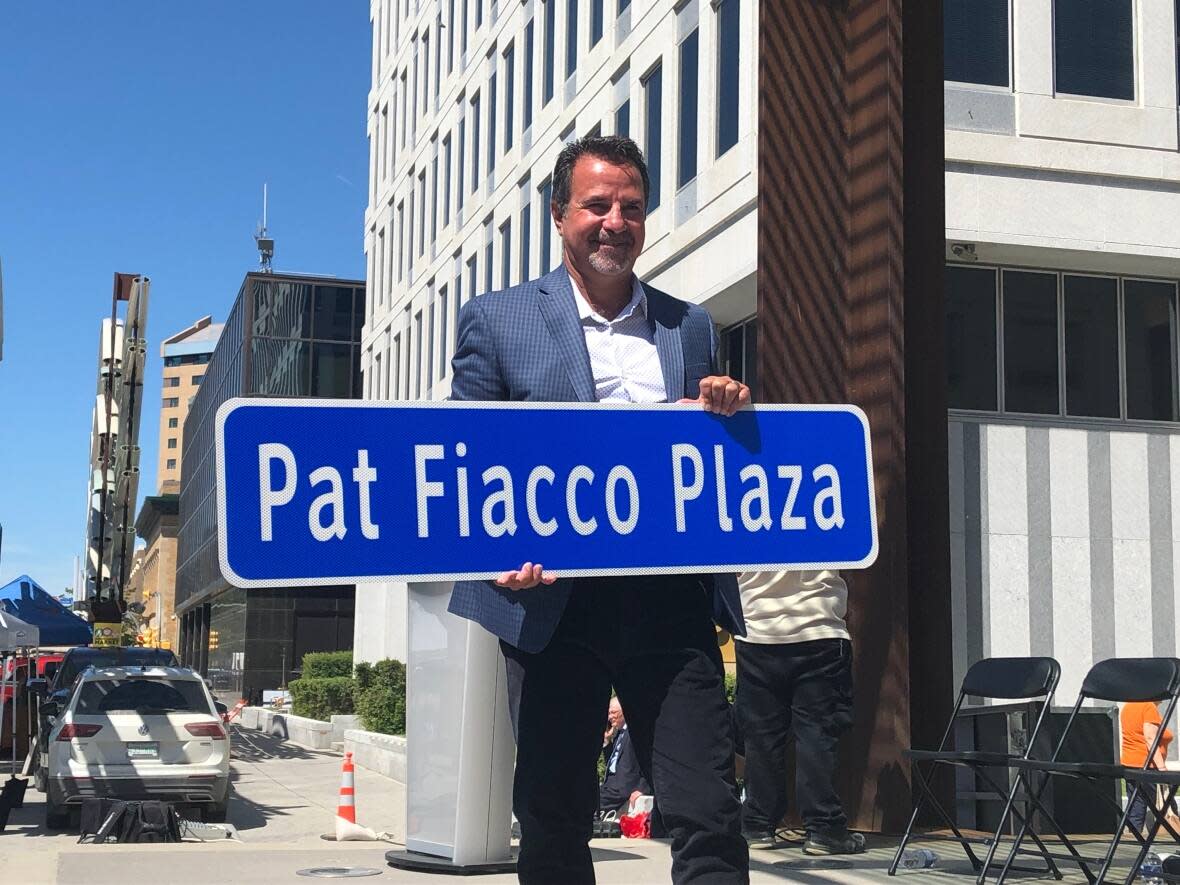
point(26, 599)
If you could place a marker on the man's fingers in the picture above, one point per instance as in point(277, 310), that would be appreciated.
point(722, 395)
point(527, 577)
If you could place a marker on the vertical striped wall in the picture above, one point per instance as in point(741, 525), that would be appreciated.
point(1064, 542)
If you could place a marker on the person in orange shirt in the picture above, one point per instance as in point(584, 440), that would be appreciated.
point(1140, 721)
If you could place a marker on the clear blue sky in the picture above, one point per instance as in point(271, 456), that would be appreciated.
point(135, 136)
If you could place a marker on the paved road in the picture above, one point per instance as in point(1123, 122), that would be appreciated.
point(285, 797)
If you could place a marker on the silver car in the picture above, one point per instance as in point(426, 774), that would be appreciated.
point(138, 733)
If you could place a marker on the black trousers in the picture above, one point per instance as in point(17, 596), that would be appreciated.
point(804, 688)
point(653, 641)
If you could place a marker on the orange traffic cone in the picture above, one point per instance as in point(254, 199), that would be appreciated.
point(346, 808)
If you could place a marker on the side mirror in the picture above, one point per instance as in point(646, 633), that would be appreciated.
point(38, 686)
point(221, 708)
point(50, 709)
point(60, 696)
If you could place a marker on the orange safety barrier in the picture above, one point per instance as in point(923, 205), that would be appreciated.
point(346, 808)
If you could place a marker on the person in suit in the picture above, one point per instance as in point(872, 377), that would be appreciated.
point(623, 781)
point(591, 331)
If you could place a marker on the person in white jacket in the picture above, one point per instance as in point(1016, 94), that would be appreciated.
point(794, 675)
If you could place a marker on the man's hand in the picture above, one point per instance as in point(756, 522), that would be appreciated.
point(635, 794)
point(527, 578)
point(721, 395)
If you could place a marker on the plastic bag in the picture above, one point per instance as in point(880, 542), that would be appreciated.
point(636, 826)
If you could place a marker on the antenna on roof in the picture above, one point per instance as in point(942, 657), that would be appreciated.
point(266, 243)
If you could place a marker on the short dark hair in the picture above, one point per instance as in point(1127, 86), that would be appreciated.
point(616, 149)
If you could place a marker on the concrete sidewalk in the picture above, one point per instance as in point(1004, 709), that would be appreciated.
point(285, 798)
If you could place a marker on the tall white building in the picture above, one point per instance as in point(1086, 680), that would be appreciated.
point(471, 102)
point(1063, 237)
point(1063, 256)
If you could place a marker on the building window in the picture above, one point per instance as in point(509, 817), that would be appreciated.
point(526, 110)
point(173, 381)
point(171, 402)
point(1093, 49)
point(475, 143)
point(443, 338)
point(461, 166)
point(597, 14)
point(739, 353)
point(1091, 309)
point(571, 37)
point(171, 464)
point(493, 100)
point(450, 36)
point(401, 240)
point(463, 28)
point(395, 363)
point(506, 254)
point(488, 279)
point(687, 153)
point(438, 62)
point(418, 355)
point(197, 379)
point(1149, 333)
point(550, 7)
point(171, 442)
point(526, 233)
point(623, 119)
point(728, 69)
point(623, 4)
point(971, 337)
point(446, 204)
point(1064, 337)
point(975, 41)
point(509, 97)
point(545, 216)
point(430, 345)
point(421, 213)
point(405, 103)
point(1030, 342)
point(479, 13)
point(416, 77)
point(471, 278)
point(434, 198)
point(653, 103)
point(173, 423)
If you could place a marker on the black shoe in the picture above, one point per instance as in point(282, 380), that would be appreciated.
point(845, 843)
point(767, 839)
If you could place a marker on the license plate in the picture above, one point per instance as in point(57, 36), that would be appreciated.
point(143, 750)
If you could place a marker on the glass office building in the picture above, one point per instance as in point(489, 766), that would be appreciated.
point(286, 336)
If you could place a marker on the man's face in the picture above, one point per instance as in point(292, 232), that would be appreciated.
point(614, 713)
point(603, 227)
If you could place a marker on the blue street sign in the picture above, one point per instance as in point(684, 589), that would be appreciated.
point(341, 491)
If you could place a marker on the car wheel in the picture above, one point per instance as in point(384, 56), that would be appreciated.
point(216, 813)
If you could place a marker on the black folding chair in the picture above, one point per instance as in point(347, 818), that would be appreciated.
point(991, 679)
point(1119, 680)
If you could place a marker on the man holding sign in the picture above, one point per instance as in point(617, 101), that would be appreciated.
point(590, 331)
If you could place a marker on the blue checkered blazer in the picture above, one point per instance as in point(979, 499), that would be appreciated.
point(527, 343)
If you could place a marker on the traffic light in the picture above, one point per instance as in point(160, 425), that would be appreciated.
point(213, 639)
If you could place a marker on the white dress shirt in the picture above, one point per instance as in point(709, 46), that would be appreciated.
point(623, 355)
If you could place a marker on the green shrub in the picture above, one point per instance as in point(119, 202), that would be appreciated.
point(327, 664)
point(380, 696)
point(730, 686)
point(321, 698)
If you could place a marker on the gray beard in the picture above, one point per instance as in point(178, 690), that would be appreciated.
point(608, 265)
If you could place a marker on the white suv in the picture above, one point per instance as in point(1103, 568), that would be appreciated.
point(137, 733)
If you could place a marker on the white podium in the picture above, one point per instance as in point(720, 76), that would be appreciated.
point(460, 749)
